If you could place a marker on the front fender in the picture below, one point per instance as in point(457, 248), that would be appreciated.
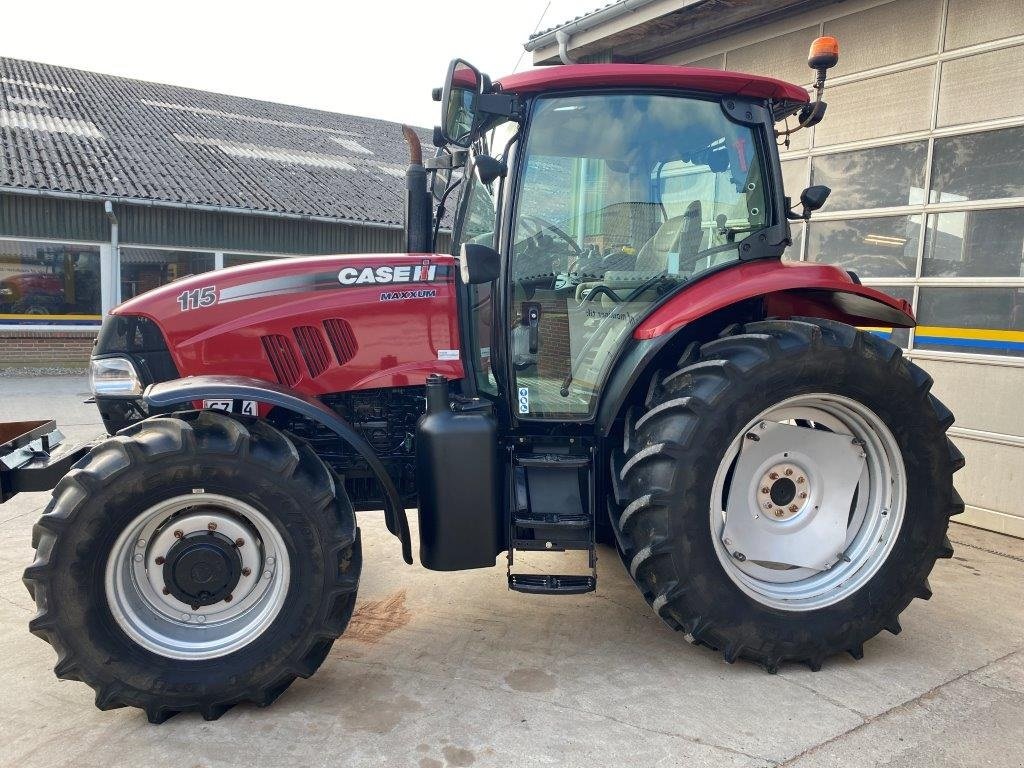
point(177, 391)
point(788, 289)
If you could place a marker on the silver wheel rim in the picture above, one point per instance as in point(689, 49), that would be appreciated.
point(164, 624)
point(801, 553)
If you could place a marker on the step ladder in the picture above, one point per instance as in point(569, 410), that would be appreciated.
point(551, 493)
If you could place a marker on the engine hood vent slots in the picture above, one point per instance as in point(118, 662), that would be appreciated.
point(343, 340)
point(282, 358)
point(314, 350)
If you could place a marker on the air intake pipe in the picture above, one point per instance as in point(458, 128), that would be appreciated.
point(417, 198)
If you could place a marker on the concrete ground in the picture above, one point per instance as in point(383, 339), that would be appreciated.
point(444, 670)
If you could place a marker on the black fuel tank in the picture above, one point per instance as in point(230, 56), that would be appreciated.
point(458, 476)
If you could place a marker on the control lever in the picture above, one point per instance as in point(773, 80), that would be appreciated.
point(526, 337)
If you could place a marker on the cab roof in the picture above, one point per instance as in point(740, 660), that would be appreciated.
point(651, 76)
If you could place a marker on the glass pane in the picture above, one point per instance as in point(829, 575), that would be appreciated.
point(900, 336)
point(885, 246)
point(873, 178)
point(143, 269)
point(43, 283)
point(794, 177)
point(797, 235)
point(985, 320)
point(237, 259)
point(978, 166)
point(609, 221)
point(975, 244)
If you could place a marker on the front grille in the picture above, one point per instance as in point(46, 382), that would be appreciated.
point(282, 358)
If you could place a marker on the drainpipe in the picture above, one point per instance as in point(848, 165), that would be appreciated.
point(562, 36)
point(110, 297)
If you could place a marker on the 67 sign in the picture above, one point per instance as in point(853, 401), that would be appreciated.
point(197, 298)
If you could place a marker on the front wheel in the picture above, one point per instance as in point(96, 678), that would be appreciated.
point(194, 562)
point(786, 491)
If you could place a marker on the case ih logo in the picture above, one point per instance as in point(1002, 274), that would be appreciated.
point(407, 273)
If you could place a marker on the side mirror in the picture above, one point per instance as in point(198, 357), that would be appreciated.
point(813, 198)
point(488, 168)
point(478, 264)
point(459, 97)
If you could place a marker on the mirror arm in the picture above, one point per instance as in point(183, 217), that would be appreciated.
point(504, 104)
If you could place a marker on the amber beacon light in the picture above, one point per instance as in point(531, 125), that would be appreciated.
point(824, 54)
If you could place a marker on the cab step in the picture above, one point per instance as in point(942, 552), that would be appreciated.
point(552, 490)
point(550, 584)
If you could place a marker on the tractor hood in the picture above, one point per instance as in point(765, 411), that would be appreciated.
point(316, 324)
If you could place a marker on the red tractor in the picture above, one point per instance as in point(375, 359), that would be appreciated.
point(614, 352)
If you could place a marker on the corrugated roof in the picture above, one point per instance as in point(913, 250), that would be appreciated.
point(581, 16)
point(69, 130)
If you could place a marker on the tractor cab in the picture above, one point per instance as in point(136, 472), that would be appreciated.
point(599, 191)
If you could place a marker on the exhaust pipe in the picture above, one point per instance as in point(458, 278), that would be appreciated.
point(417, 199)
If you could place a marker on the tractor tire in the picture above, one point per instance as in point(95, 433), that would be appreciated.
point(194, 562)
point(784, 399)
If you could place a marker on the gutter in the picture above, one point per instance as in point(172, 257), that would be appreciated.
point(96, 198)
point(114, 272)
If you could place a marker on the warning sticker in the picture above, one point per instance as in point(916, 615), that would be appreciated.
point(524, 399)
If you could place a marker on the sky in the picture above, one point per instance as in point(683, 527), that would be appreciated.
point(377, 58)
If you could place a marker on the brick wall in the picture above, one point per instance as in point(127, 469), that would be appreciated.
point(45, 348)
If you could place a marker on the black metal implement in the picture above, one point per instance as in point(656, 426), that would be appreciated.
point(33, 457)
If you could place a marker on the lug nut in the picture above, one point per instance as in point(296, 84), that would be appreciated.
point(239, 542)
point(211, 526)
point(803, 495)
point(800, 480)
point(765, 490)
point(178, 534)
point(789, 472)
point(246, 571)
point(160, 560)
point(774, 476)
point(779, 513)
point(793, 507)
point(767, 505)
point(138, 557)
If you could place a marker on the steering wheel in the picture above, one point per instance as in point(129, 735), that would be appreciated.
point(538, 225)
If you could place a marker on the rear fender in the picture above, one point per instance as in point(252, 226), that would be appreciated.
point(741, 293)
point(184, 391)
point(787, 290)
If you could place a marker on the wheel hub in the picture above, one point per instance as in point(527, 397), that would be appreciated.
point(202, 568)
point(783, 491)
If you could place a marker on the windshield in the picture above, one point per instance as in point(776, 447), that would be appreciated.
point(622, 198)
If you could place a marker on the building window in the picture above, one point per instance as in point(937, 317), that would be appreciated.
point(143, 269)
point(237, 259)
point(879, 177)
point(978, 166)
point(986, 243)
point(878, 247)
point(49, 283)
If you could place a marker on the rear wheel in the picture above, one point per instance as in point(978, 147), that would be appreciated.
point(192, 563)
point(786, 491)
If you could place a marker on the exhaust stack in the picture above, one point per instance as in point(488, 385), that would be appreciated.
point(417, 199)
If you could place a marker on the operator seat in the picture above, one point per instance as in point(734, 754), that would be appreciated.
point(679, 235)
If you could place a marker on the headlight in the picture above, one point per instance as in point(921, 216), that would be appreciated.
point(114, 376)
